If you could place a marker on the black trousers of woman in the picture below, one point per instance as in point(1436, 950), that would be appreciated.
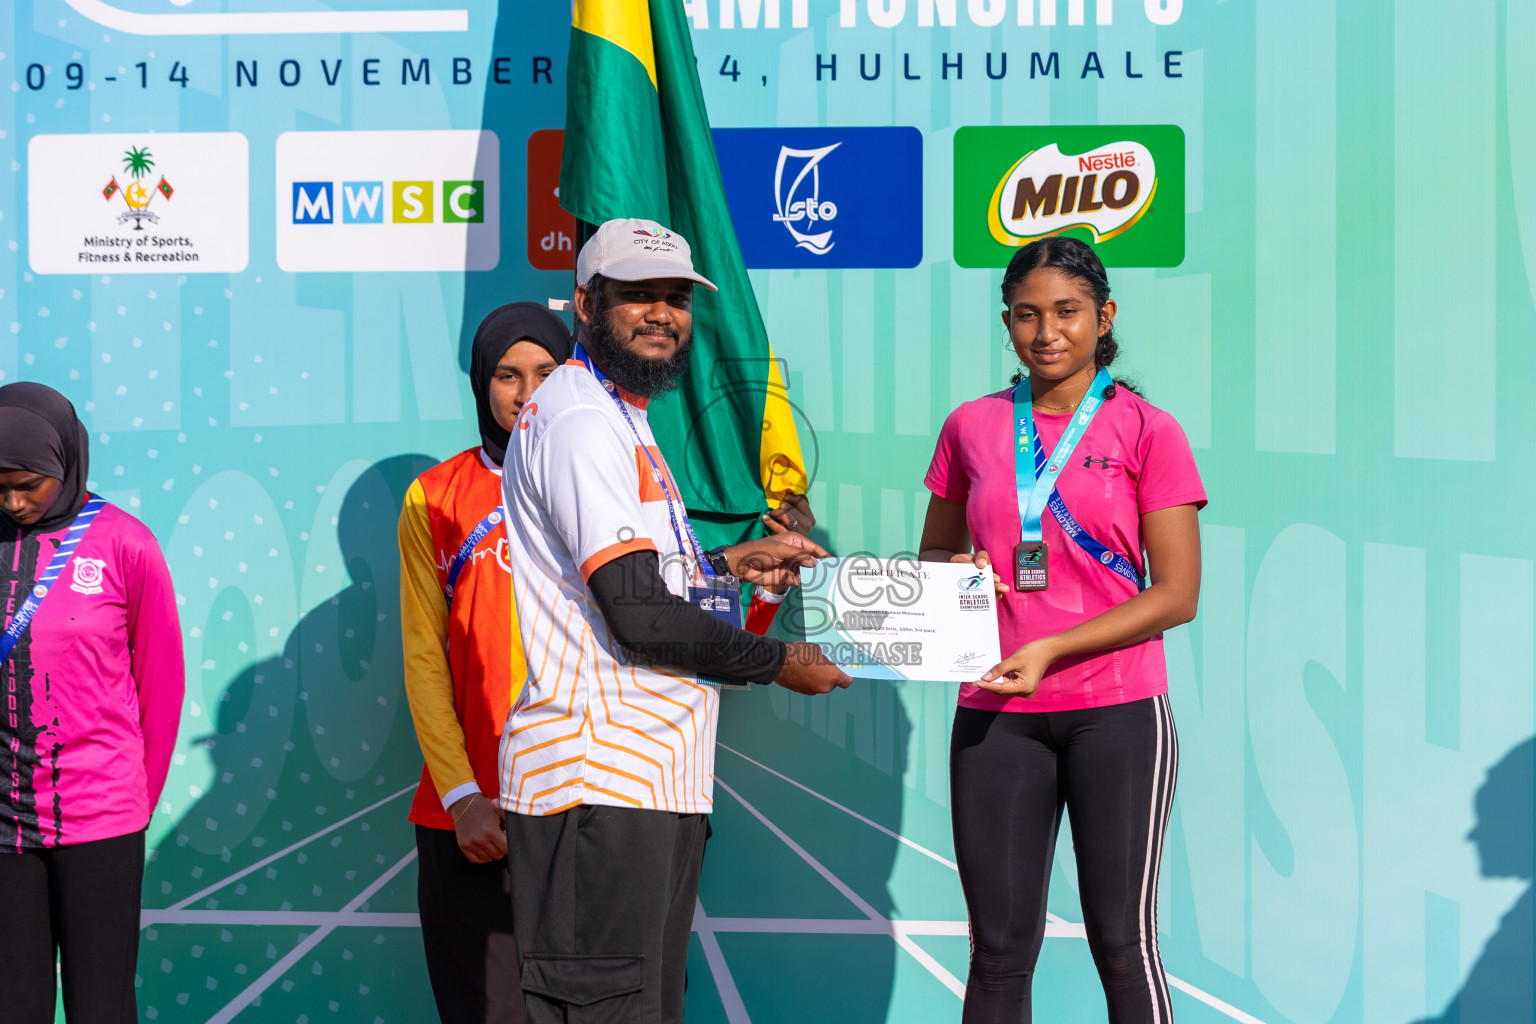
point(466, 929)
point(77, 906)
point(1011, 774)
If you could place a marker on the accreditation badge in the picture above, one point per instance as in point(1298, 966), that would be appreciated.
point(720, 599)
point(1031, 566)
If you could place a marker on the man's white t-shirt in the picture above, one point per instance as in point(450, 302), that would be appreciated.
point(593, 727)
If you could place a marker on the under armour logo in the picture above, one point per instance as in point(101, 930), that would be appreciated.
point(1089, 460)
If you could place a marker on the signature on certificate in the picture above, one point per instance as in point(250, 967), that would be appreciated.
point(966, 661)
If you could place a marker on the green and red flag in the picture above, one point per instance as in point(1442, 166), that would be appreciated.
point(111, 189)
point(637, 144)
point(165, 188)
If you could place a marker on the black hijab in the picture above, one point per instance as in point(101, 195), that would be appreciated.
point(502, 328)
point(40, 433)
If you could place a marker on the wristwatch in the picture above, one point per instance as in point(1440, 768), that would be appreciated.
point(718, 562)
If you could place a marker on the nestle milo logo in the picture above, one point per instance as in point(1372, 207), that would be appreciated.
point(1120, 188)
point(1048, 192)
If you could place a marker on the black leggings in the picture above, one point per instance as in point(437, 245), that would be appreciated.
point(466, 929)
point(80, 904)
point(1011, 773)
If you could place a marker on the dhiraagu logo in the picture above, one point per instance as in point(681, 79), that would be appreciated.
point(439, 211)
point(1119, 188)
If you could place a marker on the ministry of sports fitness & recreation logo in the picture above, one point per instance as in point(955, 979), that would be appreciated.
point(1120, 188)
point(138, 163)
point(199, 226)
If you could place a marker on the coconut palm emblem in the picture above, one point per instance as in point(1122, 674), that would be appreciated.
point(138, 163)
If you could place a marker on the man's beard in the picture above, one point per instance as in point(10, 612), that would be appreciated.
point(646, 377)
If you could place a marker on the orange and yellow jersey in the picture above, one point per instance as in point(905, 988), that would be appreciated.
point(464, 664)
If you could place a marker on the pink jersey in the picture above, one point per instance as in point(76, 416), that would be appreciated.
point(93, 691)
point(1133, 459)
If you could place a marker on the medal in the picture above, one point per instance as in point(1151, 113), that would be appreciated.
point(1031, 566)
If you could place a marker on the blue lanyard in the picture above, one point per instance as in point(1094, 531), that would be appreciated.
point(61, 558)
point(1034, 479)
point(1029, 442)
point(468, 548)
point(581, 356)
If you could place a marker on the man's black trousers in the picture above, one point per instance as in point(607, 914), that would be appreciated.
point(603, 908)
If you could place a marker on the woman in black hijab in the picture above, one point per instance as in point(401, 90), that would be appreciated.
point(44, 458)
point(94, 684)
point(463, 667)
point(515, 348)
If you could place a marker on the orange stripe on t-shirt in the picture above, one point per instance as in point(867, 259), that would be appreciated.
point(609, 792)
point(523, 776)
point(545, 768)
point(698, 761)
point(631, 776)
point(650, 486)
point(555, 691)
point(621, 748)
point(603, 556)
point(682, 740)
point(541, 794)
point(563, 807)
point(672, 753)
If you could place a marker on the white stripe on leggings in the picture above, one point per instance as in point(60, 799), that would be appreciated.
point(1171, 780)
point(1165, 755)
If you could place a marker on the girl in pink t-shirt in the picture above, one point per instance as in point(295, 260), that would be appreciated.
point(93, 689)
point(1077, 716)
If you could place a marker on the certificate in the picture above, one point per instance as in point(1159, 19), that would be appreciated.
point(899, 618)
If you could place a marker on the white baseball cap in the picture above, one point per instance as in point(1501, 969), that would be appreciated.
point(632, 249)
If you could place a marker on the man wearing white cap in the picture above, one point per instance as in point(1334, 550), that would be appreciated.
point(607, 759)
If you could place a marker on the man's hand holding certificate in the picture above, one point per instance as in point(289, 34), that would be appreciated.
point(899, 618)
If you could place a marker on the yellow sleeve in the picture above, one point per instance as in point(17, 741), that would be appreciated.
point(424, 637)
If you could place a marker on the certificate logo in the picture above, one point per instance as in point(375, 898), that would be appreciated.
point(105, 203)
point(1119, 188)
point(973, 583)
point(410, 200)
point(824, 197)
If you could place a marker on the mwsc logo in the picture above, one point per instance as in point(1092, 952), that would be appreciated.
point(436, 206)
point(408, 202)
point(1120, 188)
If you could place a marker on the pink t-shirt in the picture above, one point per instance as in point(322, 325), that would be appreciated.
point(93, 690)
point(1133, 459)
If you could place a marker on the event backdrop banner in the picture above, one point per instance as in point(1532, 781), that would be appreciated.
point(251, 240)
